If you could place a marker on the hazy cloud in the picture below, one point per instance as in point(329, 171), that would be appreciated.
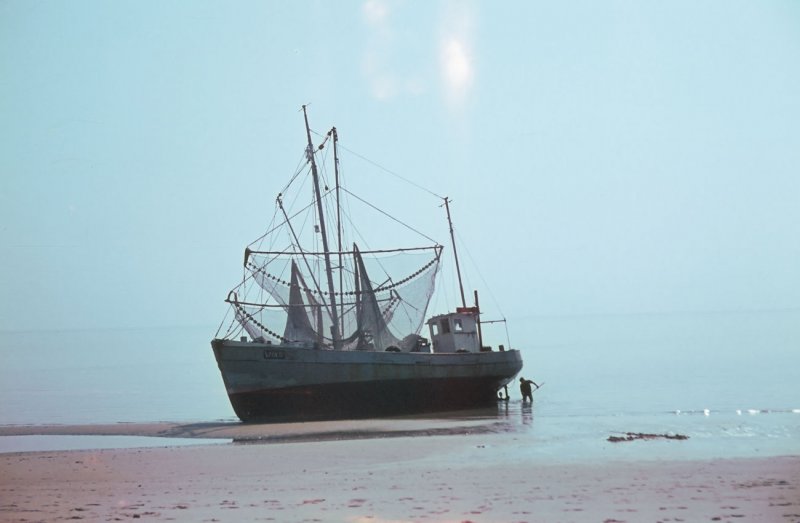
point(390, 65)
point(385, 64)
point(375, 12)
point(456, 59)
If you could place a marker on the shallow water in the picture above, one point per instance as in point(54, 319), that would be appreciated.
point(727, 380)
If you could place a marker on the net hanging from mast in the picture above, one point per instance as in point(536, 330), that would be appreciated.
point(381, 303)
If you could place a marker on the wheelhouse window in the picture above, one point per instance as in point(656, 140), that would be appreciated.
point(458, 325)
point(445, 326)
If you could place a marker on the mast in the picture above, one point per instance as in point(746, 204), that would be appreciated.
point(338, 215)
point(478, 321)
point(333, 309)
point(455, 252)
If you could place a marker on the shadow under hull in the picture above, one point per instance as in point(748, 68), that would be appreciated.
point(365, 399)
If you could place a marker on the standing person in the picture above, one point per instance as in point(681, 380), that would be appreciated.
point(525, 389)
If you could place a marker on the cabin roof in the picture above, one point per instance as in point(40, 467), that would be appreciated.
point(450, 315)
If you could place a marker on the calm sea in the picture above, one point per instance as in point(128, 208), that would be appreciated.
point(727, 380)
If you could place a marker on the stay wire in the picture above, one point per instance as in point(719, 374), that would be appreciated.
point(388, 171)
point(384, 169)
point(365, 202)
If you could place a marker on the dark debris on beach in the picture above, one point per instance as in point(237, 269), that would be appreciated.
point(632, 436)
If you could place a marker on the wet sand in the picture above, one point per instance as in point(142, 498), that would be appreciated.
point(361, 476)
point(274, 432)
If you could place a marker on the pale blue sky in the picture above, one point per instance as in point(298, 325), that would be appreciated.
point(603, 157)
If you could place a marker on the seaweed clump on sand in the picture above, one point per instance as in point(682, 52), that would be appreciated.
point(631, 436)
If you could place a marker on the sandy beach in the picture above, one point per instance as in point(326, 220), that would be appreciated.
point(464, 476)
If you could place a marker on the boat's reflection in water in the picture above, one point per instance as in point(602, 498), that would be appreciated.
point(503, 418)
point(512, 416)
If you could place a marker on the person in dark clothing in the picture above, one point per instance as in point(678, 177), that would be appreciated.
point(525, 389)
point(503, 397)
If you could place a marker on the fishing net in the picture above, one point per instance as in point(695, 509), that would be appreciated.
point(379, 298)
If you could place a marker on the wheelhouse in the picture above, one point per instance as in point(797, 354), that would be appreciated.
point(455, 332)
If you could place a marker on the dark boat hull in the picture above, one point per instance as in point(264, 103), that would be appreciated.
point(273, 382)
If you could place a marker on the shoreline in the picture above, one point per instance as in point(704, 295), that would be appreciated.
point(447, 478)
point(312, 431)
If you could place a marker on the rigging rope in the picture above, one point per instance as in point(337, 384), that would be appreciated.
point(297, 171)
point(388, 215)
point(487, 287)
point(379, 166)
point(260, 325)
point(388, 286)
point(483, 280)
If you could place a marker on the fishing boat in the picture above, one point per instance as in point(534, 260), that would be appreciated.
point(325, 328)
